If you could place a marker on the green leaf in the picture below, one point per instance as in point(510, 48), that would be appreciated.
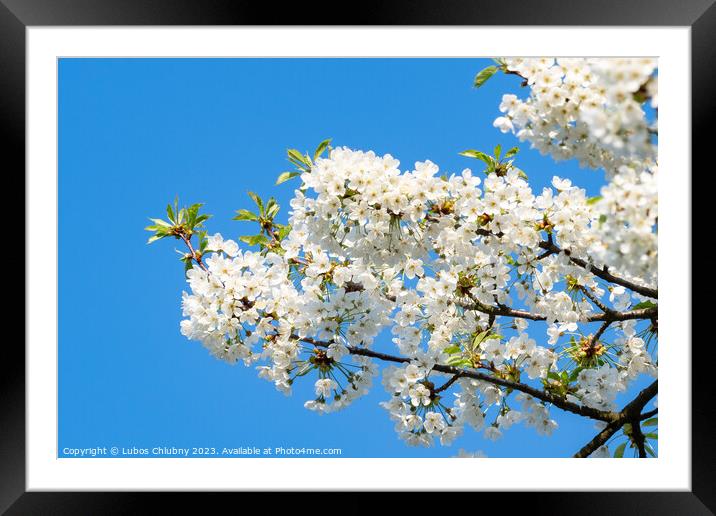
point(245, 215)
point(594, 200)
point(192, 213)
point(602, 219)
point(512, 152)
point(305, 369)
point(649, 449)
point(285, 176)
point(258, 201)
point(283, 232)
point(254, 239)
point(652, 435)
point(452, 349)
point(154, 238)
point(201, 218)
point(203, 242)
point(272, 208)
point(479, 155)
point(170, 212)
point(484, 75)
point(188, 264)
point(619, 452)
point(160, 222)
point(299, 159)
point(457, 360)
point(321, 147)
point(479, 338)
point(654, 421)
point(295, 155)
point(644, 304)
point(498, 151)
point(159, 230)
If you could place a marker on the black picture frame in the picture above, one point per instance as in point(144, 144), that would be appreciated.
point(16, 15)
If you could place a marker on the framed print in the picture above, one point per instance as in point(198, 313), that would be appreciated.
point(319, 257)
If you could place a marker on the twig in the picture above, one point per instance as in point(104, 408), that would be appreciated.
point(597, 302)
point(447, 384)
point(600, 332)
point(603, 273)
point(194, 255)
point(647, 415)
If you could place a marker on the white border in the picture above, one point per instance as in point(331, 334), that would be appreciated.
point(670, 471)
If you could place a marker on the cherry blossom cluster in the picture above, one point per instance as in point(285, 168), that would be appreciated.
point(427, 256)
point(244, 306)
point(588, 109)
point(545, 298)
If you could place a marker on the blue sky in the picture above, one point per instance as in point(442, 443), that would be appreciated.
point(135, 133)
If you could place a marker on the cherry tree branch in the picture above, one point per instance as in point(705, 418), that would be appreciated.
point(638, 437)
point(594, 299)
point(634, 407)
point(493, 311)
point(449, 383)
point(647, 415)
point(601, 438)
point(615, 421)
point(547, 397)
point(610, 315)
point(600, 332)
point(601, 273)
point(551, 248)
point(631, 413)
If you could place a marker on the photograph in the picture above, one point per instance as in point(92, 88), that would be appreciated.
point(296, 252)
point(357, 257)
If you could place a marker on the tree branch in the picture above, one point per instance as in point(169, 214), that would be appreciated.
point(611, 315)
point(594, 299)
point(493, 311)
point(598, 441)
point(547, 397)
point(638, 437)
point(633, 409)
point(551, 248)
point(447, 384)
point(600, 332)
point(647, 415)
point(631, 413)
point(602, 273)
